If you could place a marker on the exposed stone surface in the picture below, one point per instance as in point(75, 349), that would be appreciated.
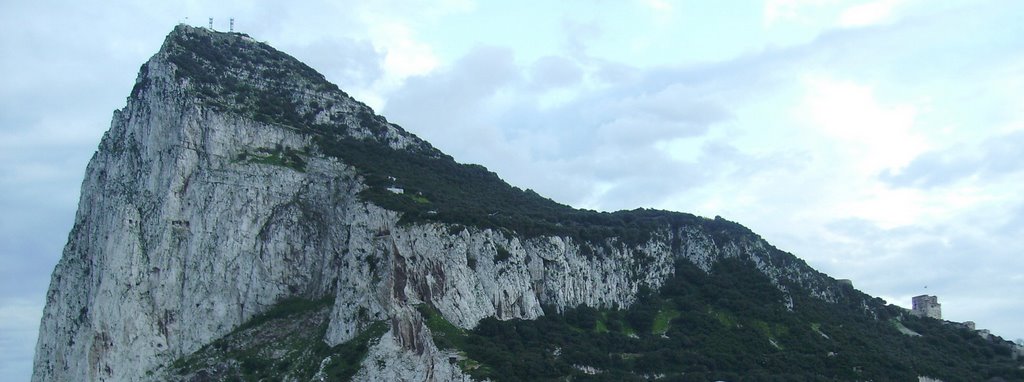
point(280, 346)
point(407, 353)
point(179, 239)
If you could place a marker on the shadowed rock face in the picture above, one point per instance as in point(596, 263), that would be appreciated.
point(211, 198)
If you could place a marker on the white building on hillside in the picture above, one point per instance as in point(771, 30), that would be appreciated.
point(927, 306)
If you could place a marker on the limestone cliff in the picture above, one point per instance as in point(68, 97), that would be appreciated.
point(219, 190)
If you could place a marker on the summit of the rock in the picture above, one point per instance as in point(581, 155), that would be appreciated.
point(221, 58)
point(232, 72)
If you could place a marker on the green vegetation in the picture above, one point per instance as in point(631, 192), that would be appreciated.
point(283, 309)
point(661, 321)
point(221, 68)
point(278, 156)
point(501, 254)
point(287, 340)
point(347, 357)
point(446, 335)
point(699, 328)
point(471, 195)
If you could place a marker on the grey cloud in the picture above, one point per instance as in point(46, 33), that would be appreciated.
point(643, 130)
point(561, 140)
point(578, 35)
point(681, 102)
point(1014, 226)
point(637, 113)
point(470, 81)
point(649, 178)
point(865, 230)
point(645, 192)
point(613, 164)
point(615, 73)
point(995, 157)
point(604, 137)
point(930, 170)
point(628, 178)
point(554, 72)
point(673, 112)
point(348, 63)
point(446, 107)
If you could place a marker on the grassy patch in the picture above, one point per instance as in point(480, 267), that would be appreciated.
point(346, 358)
point(723, 317)
point(279, 155)
point(285, 308)
point(903, 329)
point(502, 254)
point(284, 343)
point(446, 335)
point(662, 320)
point(600, 326)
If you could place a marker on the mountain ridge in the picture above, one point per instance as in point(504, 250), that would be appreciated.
point(237, 177)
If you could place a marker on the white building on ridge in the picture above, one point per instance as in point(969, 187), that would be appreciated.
point(927, 306)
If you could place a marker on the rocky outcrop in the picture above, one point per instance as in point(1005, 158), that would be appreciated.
point(194, 217)
point(407, 353)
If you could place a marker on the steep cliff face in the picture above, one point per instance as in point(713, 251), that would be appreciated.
point(214, 196)
point(178, 239)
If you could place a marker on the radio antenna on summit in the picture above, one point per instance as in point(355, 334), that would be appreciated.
point(211, 23)
point(231, 25)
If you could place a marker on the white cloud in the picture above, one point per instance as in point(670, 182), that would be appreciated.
point(661, 10)
point(781, 11)
point(870, 13)
point(404, 56)
point(855, 137)
point(455, 6)
point(831, 13)
point(875, 135)
point(658, 5)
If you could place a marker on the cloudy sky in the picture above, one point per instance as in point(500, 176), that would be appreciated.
point(881, 141)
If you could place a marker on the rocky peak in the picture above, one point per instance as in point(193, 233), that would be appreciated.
point(231, 72)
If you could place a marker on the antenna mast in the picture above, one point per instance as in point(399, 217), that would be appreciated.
point(231, 25)
point(211, 23)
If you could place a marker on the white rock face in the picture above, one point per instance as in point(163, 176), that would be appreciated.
point(407, 353)
point(431, 263)
point(178, 240)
